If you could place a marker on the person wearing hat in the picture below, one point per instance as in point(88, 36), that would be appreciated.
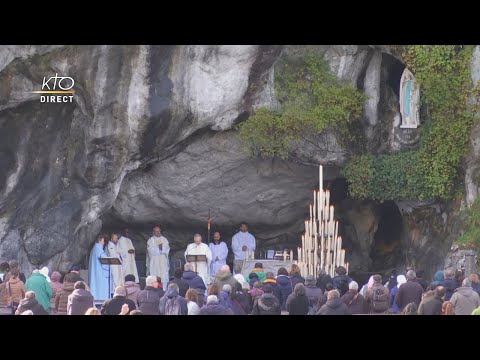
point(75, 270)
point(114, 306)
point(267, 304)
point(270, 280)
point(313, 293)
point(258, 269)
point(38, 283)
point(354, 300)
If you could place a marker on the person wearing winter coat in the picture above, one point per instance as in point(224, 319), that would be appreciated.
point(148, 299)
point(465, 299)
point(61, 299)
point(475, 282)
point(401, 279)
point(114, 306)
point(424, 284)
point(172, 303)
point(14, 289)
point(377, 296)
point(213, 307)
point(224, 276)
point(432, 302)
point(409, 292)
point(341, 281)
point(183, 284)
point(334, 305)
point(449, 283)
point(132, 288)
point(297, 302)
point(41, 287)
point(438, 279)
point(194, 280)
point(240, 300)
point(270, 280)
point(268, 303)
point(295, 276)
point(80, 300)
point(355, 302)
point(258, 269)
point(30, 303)
point(324, 279)
point(56, 285)
point(284, 285)
point(313, 293)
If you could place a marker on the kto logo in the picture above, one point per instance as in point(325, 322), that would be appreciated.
point(61, 86)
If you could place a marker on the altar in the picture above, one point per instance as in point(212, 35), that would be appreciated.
point(268, 266)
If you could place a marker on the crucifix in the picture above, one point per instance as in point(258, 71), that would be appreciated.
point(209, 222)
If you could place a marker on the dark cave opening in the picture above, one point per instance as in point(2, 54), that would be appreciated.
point(385, 253)
point(386, 250)
point(339, 197)
point(395, 70)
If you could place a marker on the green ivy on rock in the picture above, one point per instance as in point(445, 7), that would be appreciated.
point(312, 100)
point(471, 217)
point(443, 73)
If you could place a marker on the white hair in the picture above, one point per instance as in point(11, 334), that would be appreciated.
point(150, 280)
point(188, 267)
point(353, 285)
point(27, 312)
point(212, 299)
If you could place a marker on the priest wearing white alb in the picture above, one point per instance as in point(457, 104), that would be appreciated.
point(201, 267)
point(127, 250)
point(158, 250)
point(219, 254)
point(116, 270)
point(243, 246)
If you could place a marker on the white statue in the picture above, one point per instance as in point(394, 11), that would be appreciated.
point(409, 100)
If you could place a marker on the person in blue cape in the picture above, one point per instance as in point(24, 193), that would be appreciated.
point(97, 272)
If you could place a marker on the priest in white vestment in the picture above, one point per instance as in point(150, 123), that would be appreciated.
point(126, 249)
point(158, 250)
point(116, 271)
point(201, 267)
point(219, 254)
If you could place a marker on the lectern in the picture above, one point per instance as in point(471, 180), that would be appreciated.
point(195, 259)
point(109, 261)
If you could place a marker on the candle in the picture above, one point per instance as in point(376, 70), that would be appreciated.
point(320, 205)
point(327, 198)
point(284, 255)
point(314, 205)
point(320, 180)
point(291, 255)
point(246, 255)
point(331, 212)
point(311, 212)
point(253, 254)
